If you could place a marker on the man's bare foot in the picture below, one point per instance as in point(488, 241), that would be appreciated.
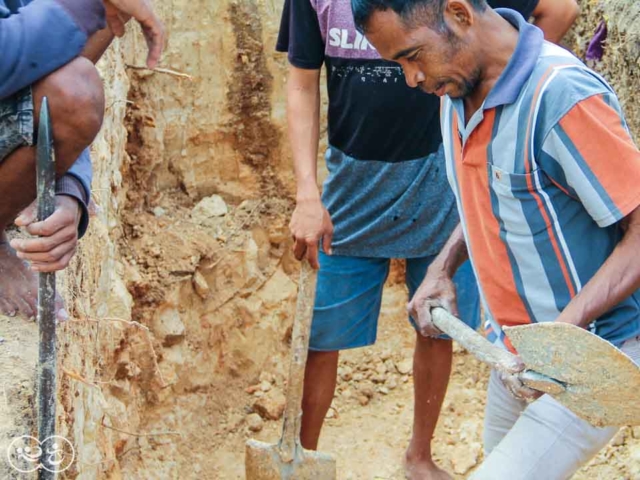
point(19, 285)
point(417, 468)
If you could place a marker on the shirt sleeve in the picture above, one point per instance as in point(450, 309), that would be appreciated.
point(590, 154)
point(300, 35)
point(524, 7)
point(42, 37)
point(77, 184)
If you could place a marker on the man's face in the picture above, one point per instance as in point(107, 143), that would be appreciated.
point(437, 62)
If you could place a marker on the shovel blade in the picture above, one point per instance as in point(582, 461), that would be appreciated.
point(263, 462)
point(602, 383)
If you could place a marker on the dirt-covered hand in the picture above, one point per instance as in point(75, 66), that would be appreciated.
point(57, 236)
point(309, 224)
point(436, 290)
point(117, 13)
point(510, 376)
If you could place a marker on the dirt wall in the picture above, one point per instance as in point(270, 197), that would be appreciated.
point(177, 302)
point(195, 194)
point(193, 297)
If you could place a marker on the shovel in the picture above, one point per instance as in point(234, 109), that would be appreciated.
point(46, 183)
point(287, 459)
point(585, 373)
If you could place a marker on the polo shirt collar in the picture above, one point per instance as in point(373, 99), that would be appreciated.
point(522, 62)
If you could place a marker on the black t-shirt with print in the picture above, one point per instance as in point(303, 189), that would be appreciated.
point(373, 113)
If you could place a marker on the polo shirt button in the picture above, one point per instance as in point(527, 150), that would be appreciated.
point(498, 176)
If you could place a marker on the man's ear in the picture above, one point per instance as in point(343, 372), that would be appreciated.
point(459, 14)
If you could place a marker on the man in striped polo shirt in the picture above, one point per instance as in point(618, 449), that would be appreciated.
point(546, 178)
point(386, 196)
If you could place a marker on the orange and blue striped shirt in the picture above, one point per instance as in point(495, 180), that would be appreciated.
point(543, 173)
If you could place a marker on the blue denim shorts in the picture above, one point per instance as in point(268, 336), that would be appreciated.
point(349, 297)
point(16, 122)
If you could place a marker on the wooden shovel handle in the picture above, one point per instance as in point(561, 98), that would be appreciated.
point(488, 353)
point(471, 340)
point(290, 440)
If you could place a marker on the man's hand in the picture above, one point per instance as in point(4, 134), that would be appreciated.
point(436, 290)
point(509, 375)
point(311, 222)
point(119, 11)
point(58, 236)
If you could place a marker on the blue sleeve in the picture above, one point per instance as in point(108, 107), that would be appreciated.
point(42, 37)
point(81, 171)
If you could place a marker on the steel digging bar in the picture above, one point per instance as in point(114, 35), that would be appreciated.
point(46, 181)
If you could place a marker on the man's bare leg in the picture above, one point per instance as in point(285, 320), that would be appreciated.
point(319, 387)
point(431, 370)
point(76, 101)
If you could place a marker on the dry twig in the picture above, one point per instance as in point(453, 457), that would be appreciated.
point(79, 378)
point(150, 434)
point(161, 70)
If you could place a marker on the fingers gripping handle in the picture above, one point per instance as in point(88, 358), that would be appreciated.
point(290, 441)
point(472, 341)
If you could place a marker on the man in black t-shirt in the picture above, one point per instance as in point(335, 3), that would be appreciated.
point(386, 196)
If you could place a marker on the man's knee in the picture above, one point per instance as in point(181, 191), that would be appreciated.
point(323, 360)
point(431, 345)
point(76, 102)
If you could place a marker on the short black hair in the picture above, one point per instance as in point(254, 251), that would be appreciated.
point(412, 12)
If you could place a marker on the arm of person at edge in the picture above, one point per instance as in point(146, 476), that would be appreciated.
point(438, 290)
point(310, 221)
point(59, 234)
point(555, 17)
point(64, 28)
point(616, 279)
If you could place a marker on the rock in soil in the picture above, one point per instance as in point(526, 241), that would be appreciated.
point(168, 326)
point(200, 285)
point(213, 206)
point(159, 211)
point(466, 459)
point(271, 405)
point(265, 386)
point(367, 391)
point(255, 422)
point(620, 438)
point(346, 373)
point(404, 367)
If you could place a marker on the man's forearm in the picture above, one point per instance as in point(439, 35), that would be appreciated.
point(616, 280)
point(453, 254)
point(303, 115)
point(555, 18)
